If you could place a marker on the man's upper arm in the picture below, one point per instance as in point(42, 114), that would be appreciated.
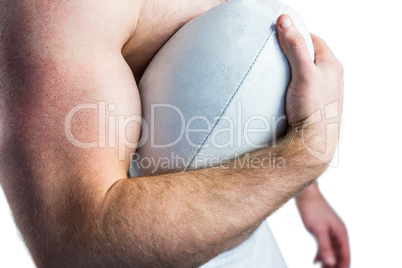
point(63, 79)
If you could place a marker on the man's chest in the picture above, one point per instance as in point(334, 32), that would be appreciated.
point(157, 22)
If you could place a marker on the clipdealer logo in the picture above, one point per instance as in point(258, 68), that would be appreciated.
point(112, 129)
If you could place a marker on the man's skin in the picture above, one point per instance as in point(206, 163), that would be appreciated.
point(76, 207)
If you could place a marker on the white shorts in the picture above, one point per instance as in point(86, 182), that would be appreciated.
point(258, 251)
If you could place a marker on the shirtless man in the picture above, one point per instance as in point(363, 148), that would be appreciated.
point(76, 207)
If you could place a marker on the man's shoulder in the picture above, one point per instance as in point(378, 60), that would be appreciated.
point(74, 20)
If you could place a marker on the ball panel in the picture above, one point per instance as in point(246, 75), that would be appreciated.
point(256, 115)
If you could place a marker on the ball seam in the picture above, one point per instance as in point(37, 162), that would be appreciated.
point(234, 93)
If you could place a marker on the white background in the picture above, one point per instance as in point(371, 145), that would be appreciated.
point(365, 188)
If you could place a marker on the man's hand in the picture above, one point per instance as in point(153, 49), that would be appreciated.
point(325, 225)
point(314, 85)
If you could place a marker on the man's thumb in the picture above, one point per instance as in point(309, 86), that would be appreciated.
point(293, 46)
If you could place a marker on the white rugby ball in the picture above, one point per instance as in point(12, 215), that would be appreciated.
point(216, 89)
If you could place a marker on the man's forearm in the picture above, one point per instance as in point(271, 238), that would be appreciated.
point(309, 191)
point(185, 219)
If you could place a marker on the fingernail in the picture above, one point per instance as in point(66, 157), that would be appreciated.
point(330, 261)
point(286, 23)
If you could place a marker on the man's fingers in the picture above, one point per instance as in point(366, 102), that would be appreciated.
point(321, 50)
point(343, 248)
point(317, 257)
point(327, 254)
point(294, 47)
